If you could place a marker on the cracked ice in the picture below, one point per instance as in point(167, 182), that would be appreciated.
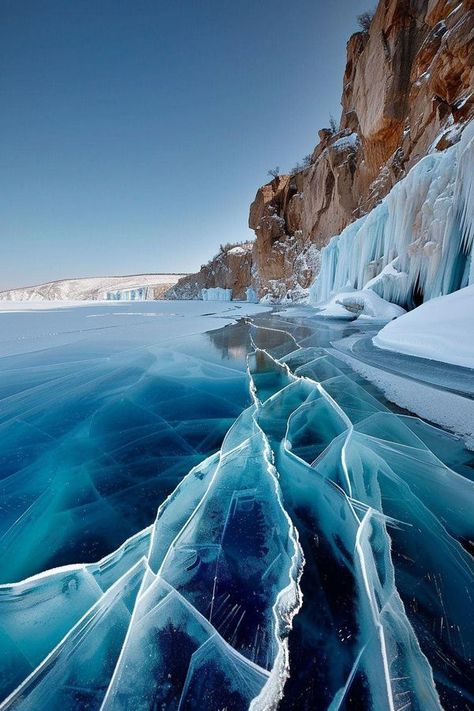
point(318, 560)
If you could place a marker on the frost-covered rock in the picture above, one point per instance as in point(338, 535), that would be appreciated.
point(230, 269)
point(349, 141)
point(441, 329)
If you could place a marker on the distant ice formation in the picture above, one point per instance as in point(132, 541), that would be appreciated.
point(95, 288)
point(138, 293)
point(216, 294)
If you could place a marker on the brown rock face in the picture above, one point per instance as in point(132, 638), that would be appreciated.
point(230, 269)
point(159, 291)
point(407, 89)
point(283, 260)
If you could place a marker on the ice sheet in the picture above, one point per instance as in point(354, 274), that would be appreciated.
point(321, 554)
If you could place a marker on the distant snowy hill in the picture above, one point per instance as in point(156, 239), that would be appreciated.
point(130, 288)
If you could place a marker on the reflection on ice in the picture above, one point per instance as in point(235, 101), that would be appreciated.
point(320, 558)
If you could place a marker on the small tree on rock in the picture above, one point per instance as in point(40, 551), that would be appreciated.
point(274, 172)
point(365, 20)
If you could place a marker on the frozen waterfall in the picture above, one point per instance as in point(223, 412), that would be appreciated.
point(138, 293)
point(416, 244)
point(216, 294)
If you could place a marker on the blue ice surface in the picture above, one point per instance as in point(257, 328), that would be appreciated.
point(241, 521)
point(95, 433)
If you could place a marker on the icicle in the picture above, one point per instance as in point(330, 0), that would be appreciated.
point(216, 294)
point(416, 244)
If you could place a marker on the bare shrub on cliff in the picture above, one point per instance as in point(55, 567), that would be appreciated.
point(305, 163)
point(332, 124)
point(365, 20)
point(274, 172)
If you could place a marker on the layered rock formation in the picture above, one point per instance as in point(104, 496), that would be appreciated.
point(407, 91)
point(230, 269)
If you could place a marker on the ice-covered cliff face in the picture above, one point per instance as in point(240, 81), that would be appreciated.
point(407, 90)
point(416, 244)
point(407, 93)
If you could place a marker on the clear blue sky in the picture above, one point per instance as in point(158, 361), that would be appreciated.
point(136, 132)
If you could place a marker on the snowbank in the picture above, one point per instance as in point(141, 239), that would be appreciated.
point(441, 329)
point(240, 249)
point(352, 304)
point(349, 141)
point(443, 408)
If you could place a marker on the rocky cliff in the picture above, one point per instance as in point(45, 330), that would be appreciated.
point(231, 268)
point(407, 90)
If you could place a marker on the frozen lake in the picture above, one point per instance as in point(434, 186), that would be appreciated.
point(209, 513)
point(104, 409)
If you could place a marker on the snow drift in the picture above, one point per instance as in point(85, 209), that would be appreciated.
point(441, 329)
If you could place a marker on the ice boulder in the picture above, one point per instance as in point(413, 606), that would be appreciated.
point(365, 303)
